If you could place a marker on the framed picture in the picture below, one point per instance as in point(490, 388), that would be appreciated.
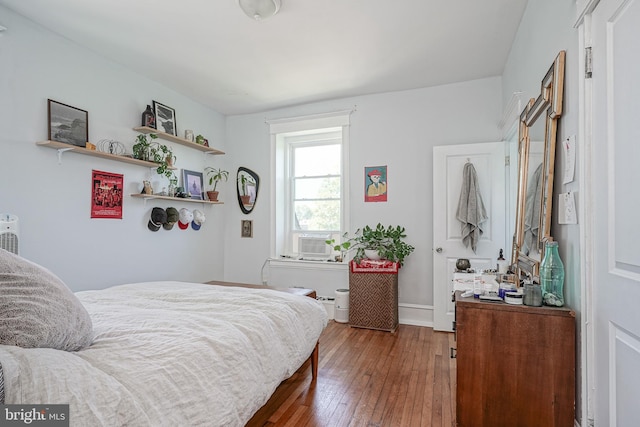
point(106, 194)
point(165, 118)
point(247, 228)
point(192, 183)
point(67, 124)
point(375, 184)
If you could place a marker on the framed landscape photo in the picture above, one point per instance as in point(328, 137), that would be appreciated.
point(165, 118)
point(67, 124)
point(193, 184)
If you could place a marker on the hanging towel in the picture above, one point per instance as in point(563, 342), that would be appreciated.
point(532, 208)
point(471, 212)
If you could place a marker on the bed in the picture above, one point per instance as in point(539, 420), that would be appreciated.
point(150, 354)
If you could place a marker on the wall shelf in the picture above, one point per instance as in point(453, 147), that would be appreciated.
point(177, 140)
point(177, 199)
point(63, 147)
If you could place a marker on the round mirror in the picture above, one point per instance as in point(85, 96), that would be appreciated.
point(248, 183)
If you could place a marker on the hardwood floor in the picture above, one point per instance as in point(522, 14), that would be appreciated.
point(370, 378)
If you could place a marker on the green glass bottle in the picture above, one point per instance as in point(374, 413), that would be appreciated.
point(552, 276)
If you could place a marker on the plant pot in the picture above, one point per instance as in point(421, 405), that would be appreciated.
point(213, 195)
point(372, 254)
point(245, 200)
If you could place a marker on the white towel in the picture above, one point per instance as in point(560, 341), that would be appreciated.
point(471, 212)
point(533, 206)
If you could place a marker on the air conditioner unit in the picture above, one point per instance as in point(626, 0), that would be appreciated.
point(314, 247)
point(9, 233)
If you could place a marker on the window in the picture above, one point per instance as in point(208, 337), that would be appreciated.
point(310, 201)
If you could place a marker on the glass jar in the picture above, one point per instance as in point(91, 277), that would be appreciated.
point(552, 276)
point(532, 295)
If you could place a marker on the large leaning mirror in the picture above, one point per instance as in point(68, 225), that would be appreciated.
point(248, 184)
point(536, 161)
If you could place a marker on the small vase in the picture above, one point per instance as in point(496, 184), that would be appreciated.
point(463, 264)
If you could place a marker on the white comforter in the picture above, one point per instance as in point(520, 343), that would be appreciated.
point(171, 354)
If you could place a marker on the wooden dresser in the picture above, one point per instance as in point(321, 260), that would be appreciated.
point(515, 365)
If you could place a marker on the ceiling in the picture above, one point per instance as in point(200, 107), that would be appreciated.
point(312, 50)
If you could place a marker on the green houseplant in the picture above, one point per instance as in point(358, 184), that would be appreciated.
point(245, 179)
point(388, 242)
point(215, 176)
point(151, 151)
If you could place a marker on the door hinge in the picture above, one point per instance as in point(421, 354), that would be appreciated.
point(588, 66)
point(507, 160)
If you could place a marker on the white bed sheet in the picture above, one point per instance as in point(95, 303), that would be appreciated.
point(171, 354)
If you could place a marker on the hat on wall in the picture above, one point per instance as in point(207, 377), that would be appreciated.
point(184, 218)
point(172, 217)
point(198, 219)
point(157, 219)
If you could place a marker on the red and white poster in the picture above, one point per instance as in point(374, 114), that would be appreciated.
point(106, 194)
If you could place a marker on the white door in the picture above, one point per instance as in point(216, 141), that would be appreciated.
point(616, 208)
point(448, 164)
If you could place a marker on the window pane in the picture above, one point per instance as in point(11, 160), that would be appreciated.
point(317, 215)
point(317, 160)
point(317, 188)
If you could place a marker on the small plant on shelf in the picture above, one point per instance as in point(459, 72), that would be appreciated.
point(215, 176)
point(387, 243)
point(151, 151)
point(142, 147)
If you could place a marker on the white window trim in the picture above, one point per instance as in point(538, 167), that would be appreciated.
point(302, 123)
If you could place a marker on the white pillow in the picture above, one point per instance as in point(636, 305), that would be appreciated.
point(38, 310)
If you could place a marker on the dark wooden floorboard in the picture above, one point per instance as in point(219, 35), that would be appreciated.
point(370, 378)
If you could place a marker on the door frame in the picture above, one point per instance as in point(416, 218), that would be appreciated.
point(588, 391)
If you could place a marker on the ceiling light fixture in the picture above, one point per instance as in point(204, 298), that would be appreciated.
point(260, 9)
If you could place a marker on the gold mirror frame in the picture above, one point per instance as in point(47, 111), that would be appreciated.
point(548, 102)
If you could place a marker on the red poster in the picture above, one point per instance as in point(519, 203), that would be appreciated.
point(106, 195)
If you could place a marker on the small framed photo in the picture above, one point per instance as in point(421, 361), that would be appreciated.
point(165, 118)
point(67, 124)
point(247, 228)
point(192, 183)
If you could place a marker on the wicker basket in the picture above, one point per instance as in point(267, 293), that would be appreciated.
point(373, 301)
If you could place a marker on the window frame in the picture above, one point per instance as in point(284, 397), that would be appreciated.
point(282, 225)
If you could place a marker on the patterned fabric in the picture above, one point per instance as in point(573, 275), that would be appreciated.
point(1, 387)
point(38, 310)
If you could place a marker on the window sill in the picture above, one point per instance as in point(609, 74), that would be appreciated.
point(307, 264)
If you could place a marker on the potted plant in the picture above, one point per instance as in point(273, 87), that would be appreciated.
point(245, 179)
point(142, 147)
point(215, 176)
point(386, 243)
point(151, 151)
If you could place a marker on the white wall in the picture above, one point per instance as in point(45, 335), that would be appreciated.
point(397, 129)
point(52, 201)
point(545, 29)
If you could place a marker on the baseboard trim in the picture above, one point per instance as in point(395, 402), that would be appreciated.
point(415, 314)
